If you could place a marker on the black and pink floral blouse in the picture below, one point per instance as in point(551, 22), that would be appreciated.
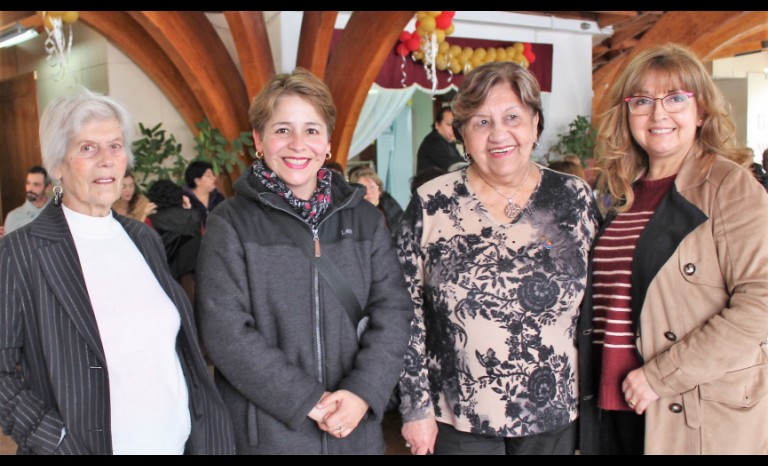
point(493, 344)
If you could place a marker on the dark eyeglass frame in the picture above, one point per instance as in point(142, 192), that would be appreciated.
point(654, 99)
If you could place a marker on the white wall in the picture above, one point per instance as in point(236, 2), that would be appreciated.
point(101, 67)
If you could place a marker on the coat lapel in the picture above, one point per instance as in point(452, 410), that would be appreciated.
point(60, 265)
point(674, 219)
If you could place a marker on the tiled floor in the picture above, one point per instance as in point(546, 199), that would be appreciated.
point(391, 424)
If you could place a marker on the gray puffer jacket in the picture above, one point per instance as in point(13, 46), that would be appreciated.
point(276, 332)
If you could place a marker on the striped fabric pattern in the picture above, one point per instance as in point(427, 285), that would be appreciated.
point(52, 367)
point(611, 287)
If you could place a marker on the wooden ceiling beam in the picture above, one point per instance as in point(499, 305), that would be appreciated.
point(8, 18)
point(738, 34)
point(354, 64)
point(315, 40)
point(249, 32)
point(674, 26)
point(126, 34)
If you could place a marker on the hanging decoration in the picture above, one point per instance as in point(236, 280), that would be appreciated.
point(428, 44)
point(58, 45)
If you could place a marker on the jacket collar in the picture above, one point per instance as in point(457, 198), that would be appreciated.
point(695, 170)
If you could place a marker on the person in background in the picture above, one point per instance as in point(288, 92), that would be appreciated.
point(37, 189)
point(300, 370)
point(201, 188)
point(672, 334)
point(376, 195)
point(98, 346)
point(438, 149)
point(495, 257)
point(759, 174)
point(180, 229)
point(132, 203)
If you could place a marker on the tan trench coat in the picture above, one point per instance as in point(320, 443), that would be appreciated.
point(700, 286)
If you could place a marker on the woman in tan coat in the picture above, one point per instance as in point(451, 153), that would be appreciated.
point(674, 324)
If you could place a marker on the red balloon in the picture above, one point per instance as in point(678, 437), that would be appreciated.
point(531, 58)
point(402, 49)
point(526, 46)
point(443, 21)
point(405, 36)
point(450, 14)
point(414, 43)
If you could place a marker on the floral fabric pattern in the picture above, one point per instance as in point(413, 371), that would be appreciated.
point(493, 344)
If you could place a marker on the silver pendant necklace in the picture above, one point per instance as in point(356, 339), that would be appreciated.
point(512, 209)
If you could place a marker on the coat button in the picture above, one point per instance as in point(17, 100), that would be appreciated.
point(676, 408)
point(670, 336)
point(689, 269)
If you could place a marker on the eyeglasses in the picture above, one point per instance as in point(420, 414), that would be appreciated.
point(673, 103)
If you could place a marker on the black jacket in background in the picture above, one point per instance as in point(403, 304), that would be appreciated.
point(436, 151)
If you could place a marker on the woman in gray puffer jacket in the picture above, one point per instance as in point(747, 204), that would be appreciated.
point(298, 373)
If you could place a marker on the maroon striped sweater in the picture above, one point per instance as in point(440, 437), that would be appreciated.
point(611, 287)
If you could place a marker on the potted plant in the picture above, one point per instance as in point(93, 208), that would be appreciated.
point(579, 140)
point(157, 156)
point(212, 147)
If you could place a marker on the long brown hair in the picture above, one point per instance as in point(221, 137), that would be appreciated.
point(618, 156)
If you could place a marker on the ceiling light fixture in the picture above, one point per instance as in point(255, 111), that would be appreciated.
point(16, 34)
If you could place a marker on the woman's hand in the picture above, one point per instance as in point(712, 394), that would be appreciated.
point(637, 391)
point(320, 411)
point(349, 411)
point(150, 209)
point(420, 435)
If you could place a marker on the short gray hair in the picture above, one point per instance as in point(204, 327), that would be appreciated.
point(65, 116)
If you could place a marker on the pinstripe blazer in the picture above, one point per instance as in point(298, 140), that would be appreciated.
point(53, 372)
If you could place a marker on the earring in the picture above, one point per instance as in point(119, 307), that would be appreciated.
point(58, 191)
point(535, 145)
point(259, 154)
point(328, 156)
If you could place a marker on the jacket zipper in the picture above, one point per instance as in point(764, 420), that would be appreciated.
point(316, 298)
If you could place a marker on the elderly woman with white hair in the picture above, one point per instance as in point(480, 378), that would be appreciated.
point(98, 346)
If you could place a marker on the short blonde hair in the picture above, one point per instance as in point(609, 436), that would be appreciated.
point(366, 172)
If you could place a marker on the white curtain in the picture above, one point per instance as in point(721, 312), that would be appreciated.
point(381, 108)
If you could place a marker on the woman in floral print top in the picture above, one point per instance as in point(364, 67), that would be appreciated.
point(495, 256)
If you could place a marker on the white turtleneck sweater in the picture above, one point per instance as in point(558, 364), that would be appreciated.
point(138, 324)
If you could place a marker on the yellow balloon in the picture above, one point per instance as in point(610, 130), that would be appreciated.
point(524, 62)
point(450, 29)
point(428, 23)
point(418, 55)
point(420, 15)
point(466, 53)
point(455, 50)
point(476, 61)
point(519, 46)
point(421, 31)
point(511, 53)
point(490, 55)
point(501, 54)
point(455, 66)
point(441, 62)
point(479, 53)
point(434, 14)
point(440, 36)
point(55, 13)
point(70, 16)
point(444, 47)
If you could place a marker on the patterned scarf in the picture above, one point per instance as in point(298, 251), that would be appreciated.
point(313, 209)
